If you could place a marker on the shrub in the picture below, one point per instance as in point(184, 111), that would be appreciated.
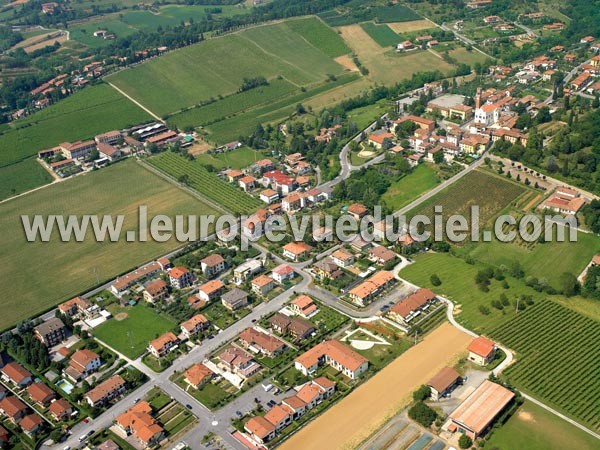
point(422, 414)
point(435, 280)
point(465, 441)
point(422, 393)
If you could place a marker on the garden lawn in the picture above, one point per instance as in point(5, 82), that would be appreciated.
point(91, 111)
point(534, 428)
point(408, 188)
point(132, 335)
point(64, 269)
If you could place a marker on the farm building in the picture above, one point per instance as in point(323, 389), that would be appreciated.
point(443, 383)
point(481, 351)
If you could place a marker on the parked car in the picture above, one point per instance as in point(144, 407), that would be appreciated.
point(188, 406)
point(239, 414)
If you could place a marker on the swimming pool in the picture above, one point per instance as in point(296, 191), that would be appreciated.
point(65, 386)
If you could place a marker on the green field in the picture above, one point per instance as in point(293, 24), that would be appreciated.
point(91, 111)
point(382, 34)
point(534, 428)
point(557, 358)
point(490, 193)
point(21, 177)
point(182, 78)
point(208, 184)
point(132, 335)
point(237, 159)
point(38, 275)
point(402, 192)
point(394, 13)
point(322, 37)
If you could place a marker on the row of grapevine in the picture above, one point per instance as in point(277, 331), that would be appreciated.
point(205, 182)
point(558, 358)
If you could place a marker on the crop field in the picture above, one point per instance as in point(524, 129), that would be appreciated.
point(37, 275)
point(181, 78)
point(413, 25)
point(382, 34)
point(91, 111)
point(131, 335)
point(490, 193)
point(557, 358)
point(395, 13)
point(324, 38)
point(234, 103)
point(21, 177)
point(208, 184)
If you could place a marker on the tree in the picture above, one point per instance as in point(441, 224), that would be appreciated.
point(438, 157)
point(569, 284)
point(465, 441)
point(421, 394)
point(435, 280)
point(423, 414)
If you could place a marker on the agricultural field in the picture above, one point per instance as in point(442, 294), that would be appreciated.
point(386, 66)
point(21, 177)
point(227, 195)
point(64, 269)
point(557, 358)
point(534, 428)
point(131, 328)
point(181, 78)
point(491, 193)
point(237, 159)
point(91, 111)
point(351, 14)
point(407, 27)
point(382, 34)
point(402, 192)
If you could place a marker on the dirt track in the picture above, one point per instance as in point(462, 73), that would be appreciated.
point(354, 418)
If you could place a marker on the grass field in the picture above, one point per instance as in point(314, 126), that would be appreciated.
point(91, 111)
point(221, 192)
point(131, 335)
point(407, 189)
point(413, 25)
point(534, 428)
point(21, 177)
point(237, 159)
point(181, 78)
point(385, 65)
point(557, 358)
point(382, 34)
point(392, 13)
point(38, 275)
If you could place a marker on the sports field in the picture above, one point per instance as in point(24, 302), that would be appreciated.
point(38, 275)
point(354, 418)
point(91, 111)
point(182, 78)
point(131, 328)
point(534, 428)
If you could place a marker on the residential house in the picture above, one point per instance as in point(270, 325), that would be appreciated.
point(264, 165)
point(260, 429)
point(51, 332)
point(474, 143)
point(138, 421)
point(405, 46)
point(304, 306)
point(269, 196)
point(212, 265)
point(13, 408)
point(379, 138)
point(163, 345)
point(198, 375)
point(77, 150)
point(76, 307)
point(335, 354)
point(108, 151)
point(295, 406)
point(263, 284)
point(296, 250)
point(315, 391)
point(296, 327)
point(247, 270)
point(481, 351)
point(196, 324)
point(155, 291)
point(372, 287)
point(180, 277)
point(283, 273)
point(412, 306)
point(60, 410)
point(247, 183)
point(360, 245)
point(260, 342)
point(16, 374)
point(210, 290)
point(234, 175)
point(40, 394)
point(381, 255)
point(238, 361)
point(564, 201)
point(443, 382)
point(83, 363)
point(327, 269)
point(279, 417)
point(423, 123)
point(110, 137)
point(342, 258)
point(31, 424)
point(125, 282)
point(234, 299)
point(358, 211)
point(293, 202)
